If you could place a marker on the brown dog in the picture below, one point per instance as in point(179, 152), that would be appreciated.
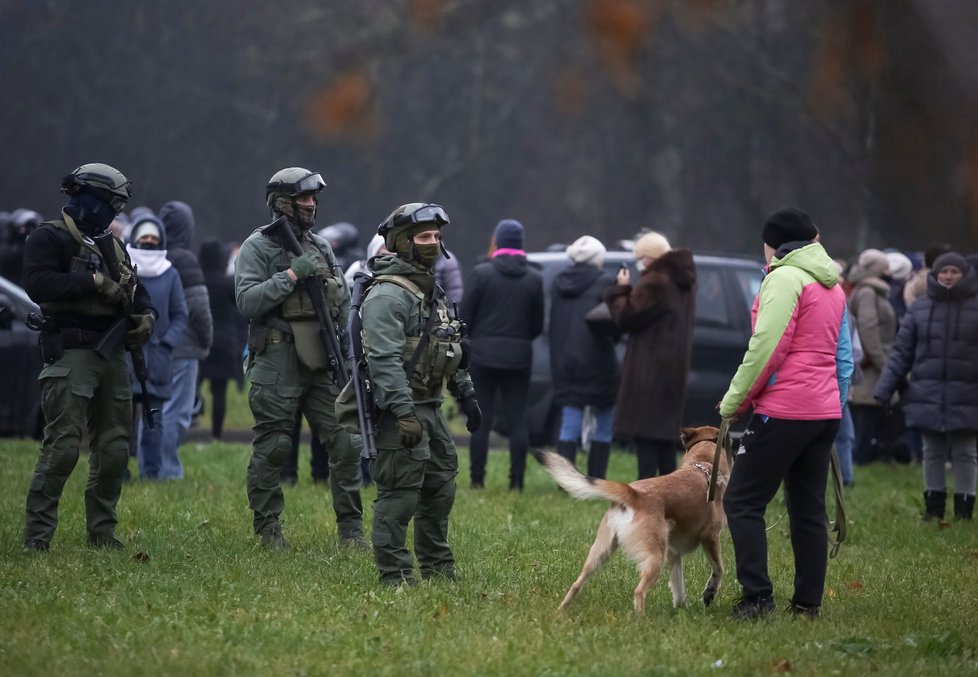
point(655, 520)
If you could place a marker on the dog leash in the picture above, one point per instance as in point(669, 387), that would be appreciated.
point(723, 446)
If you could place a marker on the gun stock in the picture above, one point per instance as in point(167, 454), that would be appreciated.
point(361, 378)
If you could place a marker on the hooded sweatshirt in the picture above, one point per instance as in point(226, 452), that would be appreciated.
point(178, 218)
point(799, 359)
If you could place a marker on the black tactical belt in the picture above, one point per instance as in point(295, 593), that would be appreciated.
point(79, 338)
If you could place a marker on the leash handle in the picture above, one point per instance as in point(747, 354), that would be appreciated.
point(838, 527)
point(723, 446)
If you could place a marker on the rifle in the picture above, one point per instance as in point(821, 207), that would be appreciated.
point(327, 330)
point(117, 332)
point(361, 378)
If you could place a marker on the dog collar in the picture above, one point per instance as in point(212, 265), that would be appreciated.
point(708, 471)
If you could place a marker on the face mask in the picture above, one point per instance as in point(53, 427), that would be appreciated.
point(91, 214)
point(427, 254)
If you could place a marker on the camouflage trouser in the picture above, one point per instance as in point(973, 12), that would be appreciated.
point(416, 483)
point(81, 392)
point(280, 386)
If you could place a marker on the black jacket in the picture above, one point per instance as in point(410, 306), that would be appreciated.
point(503, 308)
point(584, 367)
point(178, 218)
point(48, 255)
point(224, 359)
point(937, 345)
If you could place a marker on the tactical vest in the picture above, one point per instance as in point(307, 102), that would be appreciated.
point(441, 354)
point(89, 261)
point(297, 306)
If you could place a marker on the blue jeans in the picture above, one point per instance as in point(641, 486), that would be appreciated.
point(844, 440)
point(572, 421)
point(177, 412)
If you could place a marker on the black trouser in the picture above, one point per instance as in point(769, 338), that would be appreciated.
point(866, 447)
point(772, 451)
point(655, 456)
point(219, 406)
point(512, 385)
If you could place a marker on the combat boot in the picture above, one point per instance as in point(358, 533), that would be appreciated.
point(107, 542)
point(964, 506)
point(597, 459)
point(35, 545)
point(272, 538)
point(934, 505)
point(356, 542)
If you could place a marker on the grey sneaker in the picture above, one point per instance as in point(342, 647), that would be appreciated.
point(357, 542)
point(272, 538)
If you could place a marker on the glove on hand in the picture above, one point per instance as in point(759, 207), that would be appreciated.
point(108, 288)
point(473, 415)
point(142, 329)
point(304, 265)
point(409, 428)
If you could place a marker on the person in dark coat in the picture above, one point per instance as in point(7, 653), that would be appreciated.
point(178, 218)
point(223, 362)
point(657, 313)
point(503, 308)
point(583, 365)
point(937, 347)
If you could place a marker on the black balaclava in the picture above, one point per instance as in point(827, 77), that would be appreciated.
point(91, 213)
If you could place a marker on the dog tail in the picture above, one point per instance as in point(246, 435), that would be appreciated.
point(581, 486)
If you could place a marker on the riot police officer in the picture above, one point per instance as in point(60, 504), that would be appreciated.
point(413, 346)
point(93, 307)
point(287, 365)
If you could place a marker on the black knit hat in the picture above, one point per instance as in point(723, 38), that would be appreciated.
point(509, 234)
point(788, 225)
point(951, 259)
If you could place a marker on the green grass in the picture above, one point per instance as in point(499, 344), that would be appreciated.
point(193, 594)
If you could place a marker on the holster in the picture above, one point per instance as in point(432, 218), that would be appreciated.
point(52, 346)
point(257, 338)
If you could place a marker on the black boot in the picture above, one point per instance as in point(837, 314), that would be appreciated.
point(568, 449)
point(597, 459)
point(934, 505)
point(964, 506)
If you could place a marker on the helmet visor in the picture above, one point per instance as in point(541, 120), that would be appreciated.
point(430, 213)
point(310, 184)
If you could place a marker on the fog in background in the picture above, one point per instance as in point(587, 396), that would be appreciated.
point(692, 117)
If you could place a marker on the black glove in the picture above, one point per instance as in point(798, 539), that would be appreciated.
point(473, 415)
point(142, 329)
point(410, 430)
point(108, 288)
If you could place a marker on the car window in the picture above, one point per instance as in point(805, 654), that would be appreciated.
point(711, 304)
point(749, 283)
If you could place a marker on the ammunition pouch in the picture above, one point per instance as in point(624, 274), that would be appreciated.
point(257, 338)
point(438, 360)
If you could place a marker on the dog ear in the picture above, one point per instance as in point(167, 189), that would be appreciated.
point(687, 435)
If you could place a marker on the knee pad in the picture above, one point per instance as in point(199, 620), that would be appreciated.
point(62, 461)
point(280, 450)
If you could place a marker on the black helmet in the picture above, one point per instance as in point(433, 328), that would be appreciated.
point(407, 217)
point(341, 235)
point(105, 181)
point(293, 181)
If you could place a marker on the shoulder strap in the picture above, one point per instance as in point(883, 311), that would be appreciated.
point(403, 282)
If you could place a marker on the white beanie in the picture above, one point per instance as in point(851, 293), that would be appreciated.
point(374, 247)
point(143, 228)
point(900, 266)
point(652, 245)
point(587, 249)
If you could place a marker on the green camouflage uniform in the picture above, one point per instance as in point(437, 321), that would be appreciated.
point(281, 383)
point(417, 482)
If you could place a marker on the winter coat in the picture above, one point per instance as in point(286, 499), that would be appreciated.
point(224, 359)
point(584, 366)
point(448, 276)
point(178, 218)
point(503, 308)
point(657, 314)
point(869, 306)
point(938, 347)
point(390, 314)
point(799, 359)
point(162, 282)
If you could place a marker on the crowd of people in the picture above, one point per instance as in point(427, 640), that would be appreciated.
point(877, 357)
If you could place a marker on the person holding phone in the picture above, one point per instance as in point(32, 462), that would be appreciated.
point(657, 314)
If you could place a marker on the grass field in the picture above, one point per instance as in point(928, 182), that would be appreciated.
point(194, 594)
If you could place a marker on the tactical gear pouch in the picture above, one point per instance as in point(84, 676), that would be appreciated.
point(257, 338)
point(347, 414)
point(308, 345)
point(298, 305)
point(52, 346)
